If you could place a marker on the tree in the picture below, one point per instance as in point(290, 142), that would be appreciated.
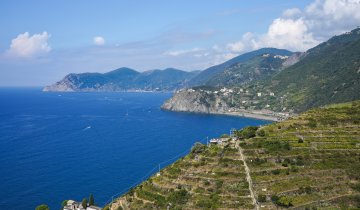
point(42, 207)
point(261, 132)
point(84, 203)
point(64, 203)
point(91, 200)
point(247, 132)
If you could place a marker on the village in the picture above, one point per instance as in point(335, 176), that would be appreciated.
point(246, 102)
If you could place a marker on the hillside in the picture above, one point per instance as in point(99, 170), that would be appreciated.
point(124, 79)
point(256, 68)
point(328, 73)
point(210, 72)
point(310, 161)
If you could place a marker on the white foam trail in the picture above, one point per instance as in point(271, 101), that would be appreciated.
point(87, 128)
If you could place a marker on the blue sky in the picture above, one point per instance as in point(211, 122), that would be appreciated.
point(42, 41)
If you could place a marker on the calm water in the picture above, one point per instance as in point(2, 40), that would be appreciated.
point(57, 146)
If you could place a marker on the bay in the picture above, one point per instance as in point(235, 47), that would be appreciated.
point(58, 146)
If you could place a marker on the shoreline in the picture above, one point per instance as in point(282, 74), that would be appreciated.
point(245, 114)
point(249, 115)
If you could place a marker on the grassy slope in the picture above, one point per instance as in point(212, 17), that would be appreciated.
point(310, 161)
point(330, 73)
point(241, 73)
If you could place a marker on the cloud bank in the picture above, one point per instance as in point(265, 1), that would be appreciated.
point(299, 30)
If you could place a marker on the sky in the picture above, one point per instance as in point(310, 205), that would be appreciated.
point(42, 41)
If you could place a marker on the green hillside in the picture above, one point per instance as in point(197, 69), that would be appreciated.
point(123, 79)
point(329, 73)
point(213, 71)
point(308, 162)
point(256, 68)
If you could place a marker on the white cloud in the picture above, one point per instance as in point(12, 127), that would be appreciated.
point(182, 52)
point(99, 40)
point(290, 34)
point(291, 13)
point(27, 46)
point(300, 30)
point(236, 46)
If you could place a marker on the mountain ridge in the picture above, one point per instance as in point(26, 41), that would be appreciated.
point(328, 73)
point(124, 79)
point(206, 74)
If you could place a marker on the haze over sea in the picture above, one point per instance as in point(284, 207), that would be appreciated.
point(57, 146)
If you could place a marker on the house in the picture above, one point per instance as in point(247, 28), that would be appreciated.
point(74, 205)
point(218, 141)
point(259, 94)
point(93, 208)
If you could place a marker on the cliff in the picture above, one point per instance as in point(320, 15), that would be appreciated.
point(227, 101)
point(190, 100)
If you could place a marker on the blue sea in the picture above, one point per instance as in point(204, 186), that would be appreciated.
point(58, 146)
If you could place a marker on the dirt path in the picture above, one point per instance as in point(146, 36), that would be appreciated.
point(248, 177)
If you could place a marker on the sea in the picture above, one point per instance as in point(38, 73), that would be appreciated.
point(60, 146)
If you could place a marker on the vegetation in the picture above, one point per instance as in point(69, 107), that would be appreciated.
point(329, 74)
point(64, 203)
point(320, 171)
point(42, 207)
point(91, 200)
point(84, 203)
point(247, 132)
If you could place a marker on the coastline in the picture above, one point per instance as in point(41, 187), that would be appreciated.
point(250, 115)
point(254, 115)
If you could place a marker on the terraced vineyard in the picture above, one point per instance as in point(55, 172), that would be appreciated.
point(209, 177)
point(312, 161)
point(308, 162)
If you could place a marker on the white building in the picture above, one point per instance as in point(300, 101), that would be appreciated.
point(74, 205)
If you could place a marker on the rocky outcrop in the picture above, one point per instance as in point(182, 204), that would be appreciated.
point(296, 57)
point(189, 100)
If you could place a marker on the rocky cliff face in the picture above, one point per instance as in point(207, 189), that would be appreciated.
point(65, 85)
point(195, 101)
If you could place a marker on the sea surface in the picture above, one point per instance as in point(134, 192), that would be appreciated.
point(58, 146)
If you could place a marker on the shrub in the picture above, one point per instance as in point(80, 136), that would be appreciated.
point(225, 136)
point(261, 198)
point(42, 207)
point(312, 123)
point(276, 171)
point(64, 203)
point(247, 132)
point(261, 133)
point(300, 140)
point(282, 200)
point(179, 196)
point(198, 148)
